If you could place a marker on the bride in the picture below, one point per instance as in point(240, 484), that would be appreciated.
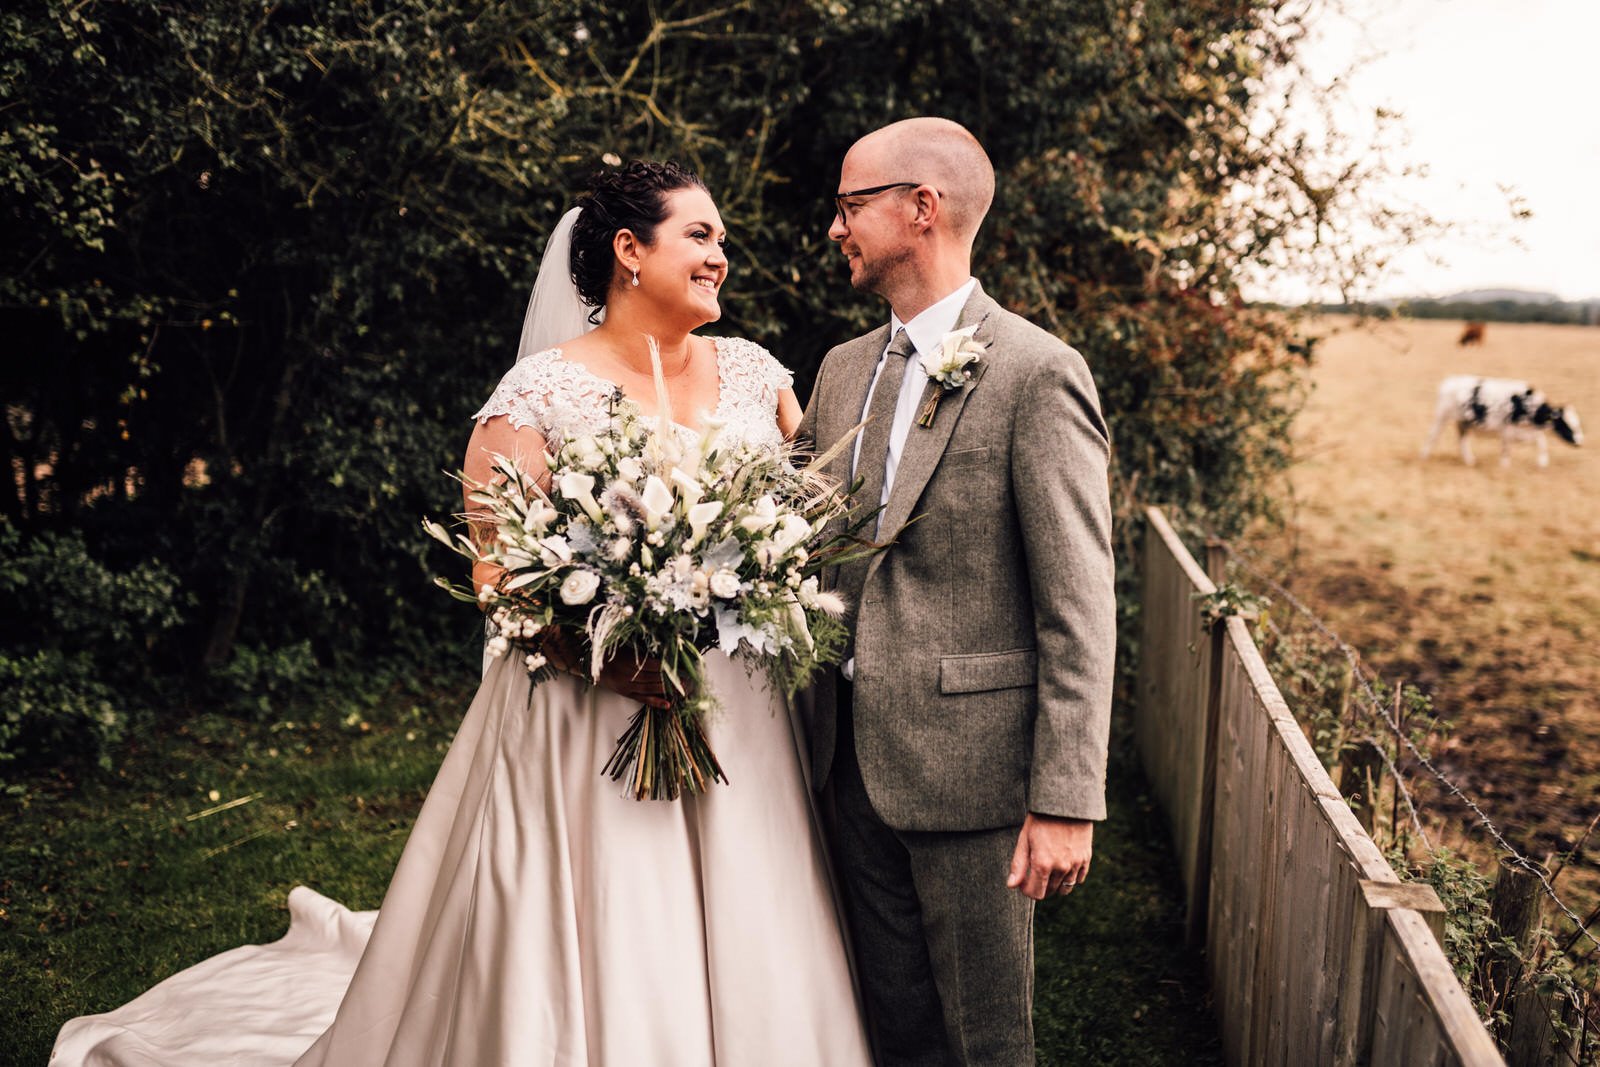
point(536, 916)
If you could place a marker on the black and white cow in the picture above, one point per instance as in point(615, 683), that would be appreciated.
point(1512, 409)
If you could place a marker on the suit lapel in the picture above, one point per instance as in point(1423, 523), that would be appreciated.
point(925, 445)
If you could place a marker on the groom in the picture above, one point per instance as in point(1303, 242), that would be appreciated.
point(964, 740)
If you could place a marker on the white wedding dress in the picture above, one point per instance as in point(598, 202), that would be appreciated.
point(538, 917)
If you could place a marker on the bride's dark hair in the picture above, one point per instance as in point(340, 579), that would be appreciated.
point(632, 198)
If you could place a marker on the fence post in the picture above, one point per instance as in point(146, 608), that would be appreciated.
point(1417, 896)
point(1358, 781)
point(1517, 909)
point(1358, 1012)
point(1199, 912)
point(1535, 1042)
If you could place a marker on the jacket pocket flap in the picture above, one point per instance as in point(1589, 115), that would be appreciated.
point(965, 457)
point(988, 670)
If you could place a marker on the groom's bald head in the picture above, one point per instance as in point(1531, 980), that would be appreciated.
point(940, 153)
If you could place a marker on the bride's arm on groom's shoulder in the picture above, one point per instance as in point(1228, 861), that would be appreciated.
point(789, 414)
point(490, 438)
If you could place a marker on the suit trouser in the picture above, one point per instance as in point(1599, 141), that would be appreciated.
point(944, 949)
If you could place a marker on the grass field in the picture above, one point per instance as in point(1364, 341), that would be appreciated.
point(108, 883)
point(1479, 584)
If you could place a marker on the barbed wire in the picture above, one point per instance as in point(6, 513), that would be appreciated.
point(1359, 674)
point(1394, 772)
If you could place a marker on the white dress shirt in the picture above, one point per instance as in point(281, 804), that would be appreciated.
point(926, 330)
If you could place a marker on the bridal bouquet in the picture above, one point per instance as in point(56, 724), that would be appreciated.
point(667, 550)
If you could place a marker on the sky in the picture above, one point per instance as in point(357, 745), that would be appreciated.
point(1491, 93)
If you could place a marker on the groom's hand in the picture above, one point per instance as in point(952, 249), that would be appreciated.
point(1052, 855)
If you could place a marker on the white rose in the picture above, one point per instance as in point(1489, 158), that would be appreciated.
point(725, 584)
point(586, 450)
point(630, 468)
point(762, 515)
point(580, 587)
point(791, 532)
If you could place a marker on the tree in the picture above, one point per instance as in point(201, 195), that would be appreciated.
point(262, 260)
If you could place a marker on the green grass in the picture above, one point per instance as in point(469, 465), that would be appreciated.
point(110, 882)
point(1114, 983)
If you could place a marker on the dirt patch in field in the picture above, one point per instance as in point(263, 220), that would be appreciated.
point(1480, 585)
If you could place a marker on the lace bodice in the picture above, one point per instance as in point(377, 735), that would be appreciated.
point(558, 397)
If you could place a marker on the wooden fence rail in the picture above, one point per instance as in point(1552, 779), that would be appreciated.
point(1318, 954)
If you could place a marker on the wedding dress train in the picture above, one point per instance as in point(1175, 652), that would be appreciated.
point(538, 917)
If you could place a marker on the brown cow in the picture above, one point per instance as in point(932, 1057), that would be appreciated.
point(1471, 334)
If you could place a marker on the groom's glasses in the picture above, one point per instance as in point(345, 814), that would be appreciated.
point(843, 209)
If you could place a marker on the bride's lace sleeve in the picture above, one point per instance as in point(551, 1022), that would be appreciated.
point(754, 373)
point(551, 395)
point(751, 381)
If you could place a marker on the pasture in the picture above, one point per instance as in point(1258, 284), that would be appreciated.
point(1479, 584)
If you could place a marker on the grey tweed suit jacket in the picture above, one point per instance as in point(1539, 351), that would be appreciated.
point(985, 634)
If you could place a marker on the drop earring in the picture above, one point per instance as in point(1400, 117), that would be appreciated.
point(635, 277)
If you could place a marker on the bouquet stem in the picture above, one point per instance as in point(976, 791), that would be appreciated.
point(662, 754)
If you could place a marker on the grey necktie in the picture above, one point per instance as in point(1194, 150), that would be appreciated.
point(873, 459)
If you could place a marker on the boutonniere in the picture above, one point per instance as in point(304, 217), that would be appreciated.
point(952, 365)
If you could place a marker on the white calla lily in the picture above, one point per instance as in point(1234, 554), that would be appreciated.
point(657, 499)
point(556, 550)
point(689, 490)
point(580, 488)
point(701, 516)
point(797, 626)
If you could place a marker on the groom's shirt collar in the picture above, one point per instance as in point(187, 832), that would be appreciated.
point(928, 327)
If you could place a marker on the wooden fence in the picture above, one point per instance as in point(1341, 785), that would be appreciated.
point(1317, 953)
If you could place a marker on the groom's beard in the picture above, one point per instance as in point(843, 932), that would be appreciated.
point(879, 276)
